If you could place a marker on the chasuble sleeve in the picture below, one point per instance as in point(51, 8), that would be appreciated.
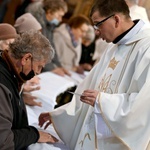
point(127, 116)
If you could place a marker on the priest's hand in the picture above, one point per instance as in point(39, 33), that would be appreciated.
point(89, 97)
point(44, 118)
point(46, 138)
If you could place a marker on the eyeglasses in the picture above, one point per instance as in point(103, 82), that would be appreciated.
point(96, 26)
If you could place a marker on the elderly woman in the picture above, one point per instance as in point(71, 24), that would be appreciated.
point(67, 40)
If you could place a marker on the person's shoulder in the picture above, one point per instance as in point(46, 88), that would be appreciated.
point(61, 29)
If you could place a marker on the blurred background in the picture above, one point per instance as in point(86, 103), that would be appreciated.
point(12, 9)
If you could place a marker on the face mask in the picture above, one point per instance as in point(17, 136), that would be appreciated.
point(55, 21)
point(30, 75)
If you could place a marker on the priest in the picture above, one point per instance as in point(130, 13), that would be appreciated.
point(113, 111)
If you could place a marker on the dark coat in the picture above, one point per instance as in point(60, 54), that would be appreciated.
point(14, 129)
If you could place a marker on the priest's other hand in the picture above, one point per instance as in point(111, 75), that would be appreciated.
point(46, 138)
point(89, 97)
point(44, 118)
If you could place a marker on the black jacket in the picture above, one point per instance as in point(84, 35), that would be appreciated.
point(14, 129)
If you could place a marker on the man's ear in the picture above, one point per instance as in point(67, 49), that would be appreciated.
point(117, 20)
point(25, 58)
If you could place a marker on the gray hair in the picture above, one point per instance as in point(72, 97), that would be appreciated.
point(32, 42)
point(90, 34)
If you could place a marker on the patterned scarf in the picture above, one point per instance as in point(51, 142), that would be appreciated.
point(74, 42)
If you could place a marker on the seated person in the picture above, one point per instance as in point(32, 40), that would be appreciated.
point(67, 41)
point(49, 14)
point(24, 23)
point(17, 65)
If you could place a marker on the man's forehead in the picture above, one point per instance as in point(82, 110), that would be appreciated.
point(96, 17)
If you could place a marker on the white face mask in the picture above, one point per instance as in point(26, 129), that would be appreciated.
point(55, 21)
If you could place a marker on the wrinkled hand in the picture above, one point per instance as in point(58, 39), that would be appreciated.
point(89, 97)
point(32, 85)
point(46, 137)
point(31, 100)
point(61, 71)
point(34, 80)
point(43, 118)
point(29, 86)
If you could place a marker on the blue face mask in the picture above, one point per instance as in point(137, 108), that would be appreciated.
point(55, 21)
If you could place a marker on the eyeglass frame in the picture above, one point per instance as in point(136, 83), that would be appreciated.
point(96, 26)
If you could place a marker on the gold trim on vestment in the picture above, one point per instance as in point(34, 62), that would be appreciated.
point(110, 126)
point(116, 90)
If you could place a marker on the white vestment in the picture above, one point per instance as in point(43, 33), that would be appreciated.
point(120, 119)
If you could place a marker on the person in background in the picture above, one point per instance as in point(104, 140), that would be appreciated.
point(67, 41)
point(49, 14)
point(112, 112)
point(27, 22)
point(7, 35)
point(24, 23)
point(88, 48)
point(137, 12)
point(24, 58)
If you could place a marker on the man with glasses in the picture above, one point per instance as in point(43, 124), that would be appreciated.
point(113, 111)
point(96, 26)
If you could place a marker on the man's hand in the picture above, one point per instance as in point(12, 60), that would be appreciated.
point(46, 137)
point(29, 86)
point(30, 100)
point(44, 117)
point(89, 97)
